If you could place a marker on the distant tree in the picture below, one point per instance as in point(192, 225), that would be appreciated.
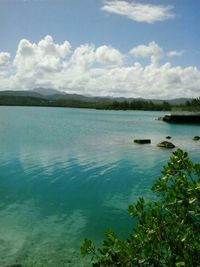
point(192, 105)
point(166, 105)
point(196, 102)
point(167, 230)
point(188, 103)
point(115, 105)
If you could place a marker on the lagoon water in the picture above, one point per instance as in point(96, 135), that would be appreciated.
point(66, 174)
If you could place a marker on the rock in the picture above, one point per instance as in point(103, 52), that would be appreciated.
point(160, 118)
point(168, 137)
point(142, 141)
point(166, 144)
point(196, 138)
point(182, 118)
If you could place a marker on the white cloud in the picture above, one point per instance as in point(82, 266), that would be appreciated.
point(46, 55)
point(37, 62)
point(4, 65)
point(83, 57)
point(4, 59)
point(138, 11)
point(175, 53)
point(151, 50)
point(108, 55)
point(101, 71)
point(48, 47)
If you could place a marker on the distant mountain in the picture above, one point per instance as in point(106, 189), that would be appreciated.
point(52, 94)
point(21, 93)
point(47, 91)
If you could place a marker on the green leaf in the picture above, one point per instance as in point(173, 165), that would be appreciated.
point(180, 263)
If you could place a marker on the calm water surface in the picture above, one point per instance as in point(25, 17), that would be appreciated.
point(66, 174)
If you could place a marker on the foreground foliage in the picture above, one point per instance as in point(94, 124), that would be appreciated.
point(167, 232)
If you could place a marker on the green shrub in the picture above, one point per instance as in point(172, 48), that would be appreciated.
point(167, 232)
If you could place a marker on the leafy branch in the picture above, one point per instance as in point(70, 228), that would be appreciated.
point(167, 232)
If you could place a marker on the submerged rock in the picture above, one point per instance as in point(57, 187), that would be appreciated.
point(168, 137)
point(166, 144)
point(196, 138)
point(142, 141)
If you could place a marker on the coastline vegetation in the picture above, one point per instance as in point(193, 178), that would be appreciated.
point(8, 100)
point(167, 229)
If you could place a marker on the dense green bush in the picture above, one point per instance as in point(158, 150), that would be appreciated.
point(167, 232)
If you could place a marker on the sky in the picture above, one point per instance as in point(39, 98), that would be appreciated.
point(129, 48)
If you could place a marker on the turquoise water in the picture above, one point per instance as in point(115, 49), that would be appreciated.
point(66, 174)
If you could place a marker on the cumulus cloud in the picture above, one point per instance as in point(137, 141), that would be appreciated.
point(46, 55)
point(151, 50)
point(4, 59)
point(101, 71)
point(38, 61)
point(175, 53)
point(4, 65)
point(139, 12)
point(108, 55)
point(83, 57)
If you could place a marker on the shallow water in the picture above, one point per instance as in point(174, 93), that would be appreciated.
point(66, 174)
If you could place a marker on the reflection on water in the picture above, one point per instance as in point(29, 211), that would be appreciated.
point(67, 173)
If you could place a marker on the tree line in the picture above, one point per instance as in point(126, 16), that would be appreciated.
point(139, 105)
point(193, 105)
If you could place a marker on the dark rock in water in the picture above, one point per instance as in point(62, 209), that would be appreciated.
point(160, 118)
point(196, 138)
point(182, 118)
point(15, 265)
point(168, 137)
point(166, 144)
point(142, 141)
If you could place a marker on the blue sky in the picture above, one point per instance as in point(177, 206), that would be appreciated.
point(99, 23)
